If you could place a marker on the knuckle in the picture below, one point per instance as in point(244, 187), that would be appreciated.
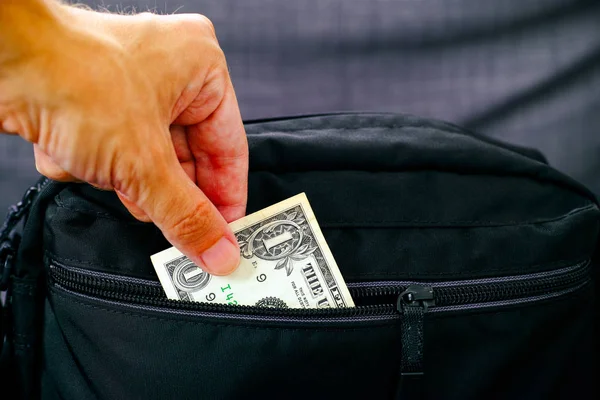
point(198, 24)
point(221, 62)
point(201, 33)
point(207, 24)
point(40, 168)
point(139, 215)
point(219, 71)
point(194, 226)
point(143, 218)
point(132, 178)
point(52, 172)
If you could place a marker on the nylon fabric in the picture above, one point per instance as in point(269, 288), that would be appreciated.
point(398, 198)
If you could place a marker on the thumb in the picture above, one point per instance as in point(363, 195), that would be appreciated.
point(189, 221)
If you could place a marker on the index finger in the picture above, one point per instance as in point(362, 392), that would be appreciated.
point(220, 149)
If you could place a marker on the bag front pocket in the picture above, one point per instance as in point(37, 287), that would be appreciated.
point(126, 335)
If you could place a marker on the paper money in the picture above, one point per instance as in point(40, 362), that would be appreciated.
point(285, 263)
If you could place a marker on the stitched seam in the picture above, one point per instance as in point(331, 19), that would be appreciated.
point(542, 180)
point(29, 292)
point(24, 335)
point(52, 256)
point(517, 269)
point(468, 223)
point(373, 324)
point(581, 292)
point(386, 223)
point(60, 203)
point(23, 345)
point(23, 285)
point(422, 125)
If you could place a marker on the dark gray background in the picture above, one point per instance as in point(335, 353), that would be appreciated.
point(526, 71)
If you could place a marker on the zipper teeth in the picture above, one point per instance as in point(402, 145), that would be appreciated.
point(102, 283)
point(388, 315)
point(448, 296)
point(503, 291)
point(483, 281)
point(96, 287)
point(501, 303)
point(107, 276)
point(486, 290)
point(373, 313)
point(386, 287)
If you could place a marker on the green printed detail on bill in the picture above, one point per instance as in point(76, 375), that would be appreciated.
point(285, 263)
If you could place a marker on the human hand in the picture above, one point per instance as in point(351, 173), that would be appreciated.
point(140, 104)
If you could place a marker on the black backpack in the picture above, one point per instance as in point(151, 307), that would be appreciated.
point(471, 263)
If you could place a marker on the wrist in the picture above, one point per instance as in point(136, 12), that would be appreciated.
point(25, 25)
point(46, 53)
point(21, 21)
point(41, 28)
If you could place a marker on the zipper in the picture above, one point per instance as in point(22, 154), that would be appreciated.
point(408, 301)
point(447, 295)
point(143, 294)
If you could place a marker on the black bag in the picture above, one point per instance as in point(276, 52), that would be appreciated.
point(471, 263)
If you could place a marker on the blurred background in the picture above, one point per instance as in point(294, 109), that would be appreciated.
point(524, 71)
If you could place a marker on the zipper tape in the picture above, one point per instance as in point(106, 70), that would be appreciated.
point(448, 296)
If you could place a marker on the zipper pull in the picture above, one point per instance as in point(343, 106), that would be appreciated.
point(412, 304)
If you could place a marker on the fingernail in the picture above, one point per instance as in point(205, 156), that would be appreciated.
point(222, 258)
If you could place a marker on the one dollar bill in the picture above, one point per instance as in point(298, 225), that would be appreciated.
point(285, 263)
